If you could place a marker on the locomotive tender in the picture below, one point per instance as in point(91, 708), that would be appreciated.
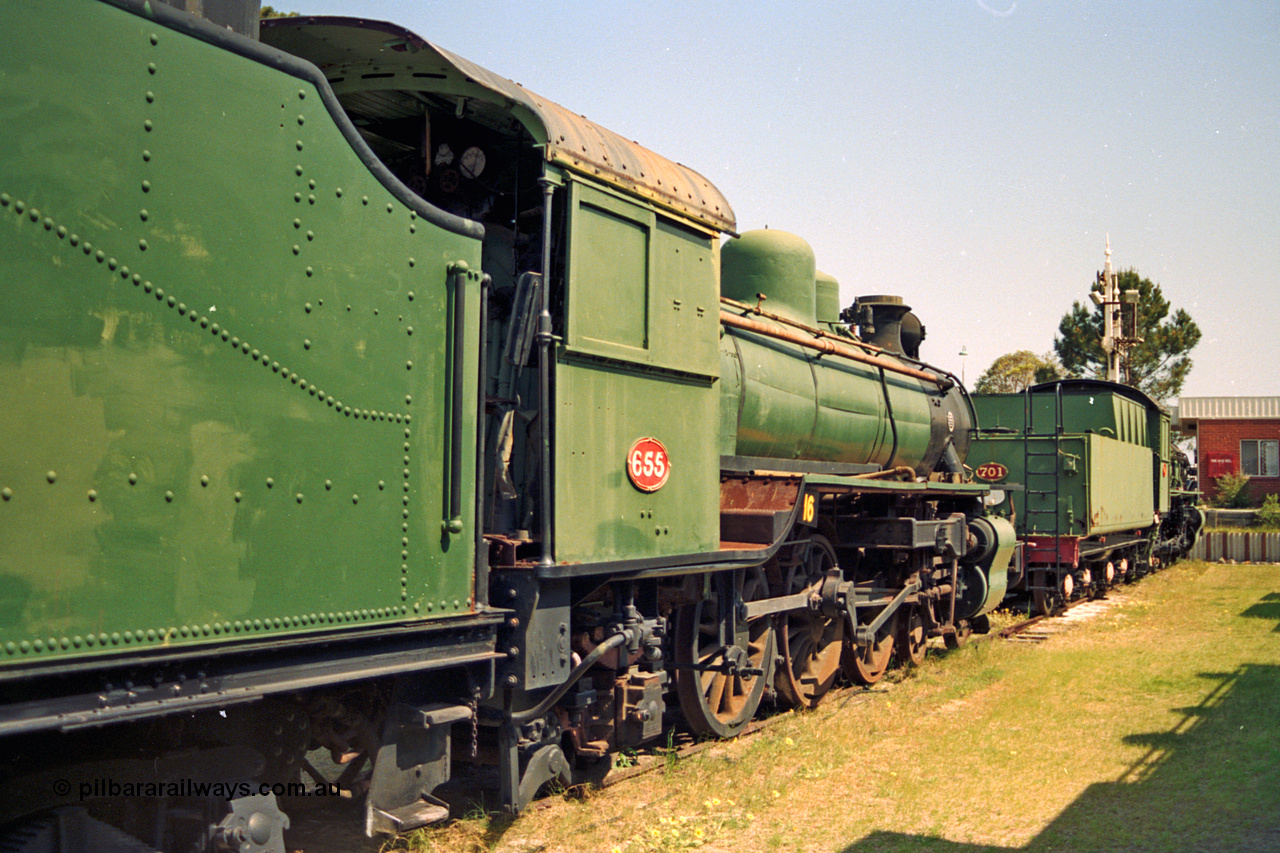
point(358, 398)
point(1101, 494)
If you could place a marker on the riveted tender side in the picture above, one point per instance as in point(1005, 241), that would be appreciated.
point(230, 378)
point(241, 400)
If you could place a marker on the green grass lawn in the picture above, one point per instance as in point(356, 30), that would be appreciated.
point(1155, 726)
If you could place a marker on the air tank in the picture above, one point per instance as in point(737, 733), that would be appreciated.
point(783, 399)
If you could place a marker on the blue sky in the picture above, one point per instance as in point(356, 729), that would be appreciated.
point(970, 156)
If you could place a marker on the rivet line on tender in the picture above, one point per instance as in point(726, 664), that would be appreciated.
point(217, 330)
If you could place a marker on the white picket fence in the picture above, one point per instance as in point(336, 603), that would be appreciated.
point(1241, 547)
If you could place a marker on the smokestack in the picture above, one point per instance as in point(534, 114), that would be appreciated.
point(879, 320)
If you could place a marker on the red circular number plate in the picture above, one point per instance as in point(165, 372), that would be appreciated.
point(648, 465)
point(992, 472)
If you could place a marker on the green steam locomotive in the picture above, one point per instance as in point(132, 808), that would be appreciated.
point(358, 399)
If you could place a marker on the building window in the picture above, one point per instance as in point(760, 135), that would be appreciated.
point(1260, 458)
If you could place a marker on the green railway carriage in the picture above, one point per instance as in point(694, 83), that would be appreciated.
point(1095, 491)
point(357, 397)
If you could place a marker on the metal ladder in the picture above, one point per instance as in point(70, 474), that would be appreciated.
point(1042, 481)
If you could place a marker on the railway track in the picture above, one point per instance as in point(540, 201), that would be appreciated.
point(684, 746)
point(1036, 629)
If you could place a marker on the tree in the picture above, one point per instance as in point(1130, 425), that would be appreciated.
point(1157, 366)
point(1014, 371)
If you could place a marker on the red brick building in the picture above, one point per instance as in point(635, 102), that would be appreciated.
point(1234, 435)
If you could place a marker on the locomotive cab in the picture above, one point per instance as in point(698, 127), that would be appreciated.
point(630, 240)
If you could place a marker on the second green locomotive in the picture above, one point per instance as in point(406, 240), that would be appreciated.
point(1087, 472)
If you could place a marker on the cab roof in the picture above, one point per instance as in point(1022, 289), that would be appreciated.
point(364, 59)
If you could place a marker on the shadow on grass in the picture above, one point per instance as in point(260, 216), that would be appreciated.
point(1211, 783)
point(1268, 607)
